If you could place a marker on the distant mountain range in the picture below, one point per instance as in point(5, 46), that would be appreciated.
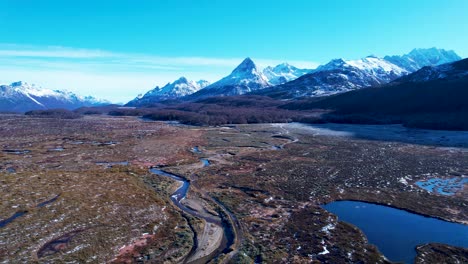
point(419, 58)
point(179, 88)
point(337, 76)
point(340, 76)
point(285, 81)
point(21, 97)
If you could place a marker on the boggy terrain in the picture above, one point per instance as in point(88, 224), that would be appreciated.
point(80, 199)
point(89, 196)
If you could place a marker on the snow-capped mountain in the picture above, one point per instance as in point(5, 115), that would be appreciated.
point(419, 58)
point(344, 75)
point(283, 73)
point(338, 76)
point(179, 88)
point(21, 97)
point(377, 69)
point(244, 78)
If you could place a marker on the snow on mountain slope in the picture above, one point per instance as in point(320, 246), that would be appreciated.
point(377, 69)
point(419, 58)
point(21, 96)
point(283, 73)
point(179, 88)
point(244, 78)
point(338, 76)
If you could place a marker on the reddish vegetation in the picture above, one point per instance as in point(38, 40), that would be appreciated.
point(128, 253)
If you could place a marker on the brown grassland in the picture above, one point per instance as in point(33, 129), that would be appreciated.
point(89, 196)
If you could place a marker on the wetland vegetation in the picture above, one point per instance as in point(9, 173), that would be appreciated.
point(263, 185)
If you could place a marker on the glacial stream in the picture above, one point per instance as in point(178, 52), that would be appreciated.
point(181, 194)
point(397, 232)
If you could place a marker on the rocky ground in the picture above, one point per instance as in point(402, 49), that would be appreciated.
point(89, 197)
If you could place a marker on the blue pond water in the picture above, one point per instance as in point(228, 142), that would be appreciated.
point(443, 186)
point(205, 162)
point(10, 219)
point(112, 164)
point(196, 150)
point(48, 201)
point(396, 232)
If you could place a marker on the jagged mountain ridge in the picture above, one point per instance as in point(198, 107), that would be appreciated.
point(21, 96)
point(419, 58)
point(244, 78)
point(339, 75)
point(285, 81)
point(177, 89)
point(283, 73)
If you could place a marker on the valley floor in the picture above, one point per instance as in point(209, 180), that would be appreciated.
point(87, 195)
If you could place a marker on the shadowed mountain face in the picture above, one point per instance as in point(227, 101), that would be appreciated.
point(432, 93)
point(22, 97)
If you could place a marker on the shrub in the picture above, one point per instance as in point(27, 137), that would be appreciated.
point(54, 113)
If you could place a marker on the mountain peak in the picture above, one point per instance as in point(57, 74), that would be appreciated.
point(244, 78)
point(203, 83)
point(282, 73)
point(284, 64)
point(181, 80)
point(283, 67)
point(179, 88)
point(247, 65)
point(333, 64)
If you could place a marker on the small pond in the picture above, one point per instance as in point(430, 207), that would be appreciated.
point(56, 149)
point(16, 151)
point(10, 219)
point(397, 232)
point(205, 162)
point(196, 150)
point(112, 164)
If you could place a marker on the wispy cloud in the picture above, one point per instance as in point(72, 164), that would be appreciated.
point(58, 52)
point(111, 75)
point(12, 50)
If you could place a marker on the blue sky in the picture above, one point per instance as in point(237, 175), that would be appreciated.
point(117, 49)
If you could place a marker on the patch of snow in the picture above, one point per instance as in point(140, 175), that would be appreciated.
point(325, 251)
point(327, 228)
point(403, 180)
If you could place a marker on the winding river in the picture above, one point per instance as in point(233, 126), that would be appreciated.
point(181, 193)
